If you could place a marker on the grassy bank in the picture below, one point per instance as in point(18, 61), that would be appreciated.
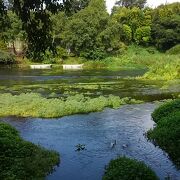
point(167, 131)
point(20, 159)
point(128, 169)
point(161, 66)
point(34, 105)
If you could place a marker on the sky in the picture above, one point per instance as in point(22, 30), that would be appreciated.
point(150, 3)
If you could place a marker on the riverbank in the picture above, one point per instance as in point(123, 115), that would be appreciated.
point(160, 66)
point(166, 134)
point(20, 159)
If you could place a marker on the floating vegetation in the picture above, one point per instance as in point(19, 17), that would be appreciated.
point(21, 159)
point(34, 105)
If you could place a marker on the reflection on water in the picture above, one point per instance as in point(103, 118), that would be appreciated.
point(89, 82)
point(126, 125)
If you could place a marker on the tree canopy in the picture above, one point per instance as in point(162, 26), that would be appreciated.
point(131, 3)
point(85, 29)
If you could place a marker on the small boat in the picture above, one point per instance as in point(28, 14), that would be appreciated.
point(73, 66)
point(41, 66)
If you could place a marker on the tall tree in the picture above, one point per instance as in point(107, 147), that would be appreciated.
point(83, 28)
point(131, 3)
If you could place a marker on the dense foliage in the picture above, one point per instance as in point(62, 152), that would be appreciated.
point(84, 28)
point(124, 168)
point(6, 58)
point(167, 131)
point(35, 105)
point(20, 159)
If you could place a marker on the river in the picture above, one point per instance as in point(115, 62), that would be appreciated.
point(127, 125)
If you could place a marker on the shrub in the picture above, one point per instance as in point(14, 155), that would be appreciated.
point(96, 54)
point(124, 168)
point(20, 159)
point(174, 50)
point(167, 132)
point(6, 58)
point(166, 109)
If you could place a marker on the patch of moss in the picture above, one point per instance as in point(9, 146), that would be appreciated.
point(20, 159)
point(124, 168)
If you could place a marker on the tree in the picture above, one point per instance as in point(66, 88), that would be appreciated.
point(77, 5)
point(83, 28)
point(131, 3)
point(166, 26)
point(135, 24)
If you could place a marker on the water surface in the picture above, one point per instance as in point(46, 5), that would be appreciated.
point(126, 125)
point(57, 82)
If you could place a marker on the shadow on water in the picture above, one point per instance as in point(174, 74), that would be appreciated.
point(97, 131)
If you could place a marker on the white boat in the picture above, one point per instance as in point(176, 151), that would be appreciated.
point(73, 66)
point(41, 66)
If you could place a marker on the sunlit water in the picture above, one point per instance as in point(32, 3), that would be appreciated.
point(97, 131)
point(126, 125)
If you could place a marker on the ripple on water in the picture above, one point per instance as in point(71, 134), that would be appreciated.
point(97, 131)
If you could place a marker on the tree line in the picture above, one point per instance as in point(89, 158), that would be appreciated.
point(84, 28)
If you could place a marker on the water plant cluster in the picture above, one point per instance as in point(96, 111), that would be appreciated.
point(21, 159)
point(128, 169)
point(34, 105)
point(167, 131)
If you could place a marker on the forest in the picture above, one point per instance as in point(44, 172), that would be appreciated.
point(85, 29)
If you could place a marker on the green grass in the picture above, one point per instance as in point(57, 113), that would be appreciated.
point(20, 159)
point(161, 66)
point(124, 168)
point(34, 105)
point(167, 131)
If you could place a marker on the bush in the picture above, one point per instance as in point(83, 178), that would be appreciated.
point(124, 168)
point(96, 54)
point(20, 159)
point(6, 58)
point(174, 50)
point(167, 132)
point(166, 109)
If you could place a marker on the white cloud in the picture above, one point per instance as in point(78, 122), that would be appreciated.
point(151, 3)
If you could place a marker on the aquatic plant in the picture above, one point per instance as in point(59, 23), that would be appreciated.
point(124, 168)
point(21, 159)
point(34, 105)
point(167, 131)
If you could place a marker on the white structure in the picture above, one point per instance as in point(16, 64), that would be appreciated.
point(72, 66)
point(41, 66)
